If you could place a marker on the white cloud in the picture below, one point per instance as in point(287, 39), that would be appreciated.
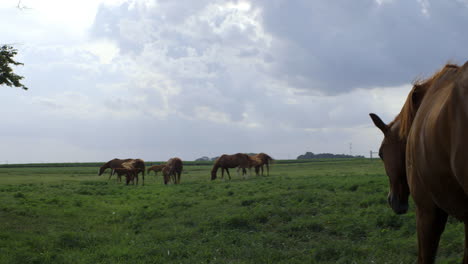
point(104, 49)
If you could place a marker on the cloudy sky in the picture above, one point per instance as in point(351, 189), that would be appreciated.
point(160, 78)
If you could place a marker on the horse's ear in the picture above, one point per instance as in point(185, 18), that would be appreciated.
point(379, 123)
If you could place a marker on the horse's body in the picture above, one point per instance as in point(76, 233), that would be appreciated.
point(113, 164)
point(172, 170)
point(428, 139)
point(265, 160)
point(254, 162)
point(156, 168)
point(225, 162)
point(129, 170)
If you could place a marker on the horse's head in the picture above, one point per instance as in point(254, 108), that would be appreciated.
point(101, 170)
point(392, 152)
point(213, 174)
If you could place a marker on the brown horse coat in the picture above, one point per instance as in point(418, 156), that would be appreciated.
point(130, 172)
point(172, 170)
point(265, 160)
point(225, 162)
point(431, 134)
point(156, 168)
point(113, 164)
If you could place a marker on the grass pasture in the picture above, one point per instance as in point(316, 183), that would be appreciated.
point(325, 211)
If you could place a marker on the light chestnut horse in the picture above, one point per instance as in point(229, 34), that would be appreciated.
point(156, 168)
point(254, 162)
point(265, 160)
point(130, 172)
point(172, 170)
point(225, 162)
point(425, 154)
point(113, 164)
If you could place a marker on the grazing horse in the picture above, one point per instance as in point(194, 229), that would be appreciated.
point(239, 160)
point(265, 160)
point(130, 172)
point(156, 168)
point(255, 162)
point(424, 151)
point(172, 170)
point(113, 164)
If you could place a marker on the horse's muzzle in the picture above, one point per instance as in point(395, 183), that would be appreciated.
point(398, 206)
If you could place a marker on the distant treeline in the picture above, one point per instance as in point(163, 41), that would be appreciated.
point(205, 158)
point(310, 155)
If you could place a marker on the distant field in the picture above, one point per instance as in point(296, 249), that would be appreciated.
point(321, 211)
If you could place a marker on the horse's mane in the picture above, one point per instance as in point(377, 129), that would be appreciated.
point(413, 101)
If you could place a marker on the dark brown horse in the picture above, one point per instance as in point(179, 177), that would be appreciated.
point(156, 168)
point(113, 164)
point(425, 153)
point(225, 162)
point(172, 170)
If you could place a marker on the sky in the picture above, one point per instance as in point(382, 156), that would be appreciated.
point(155, 79)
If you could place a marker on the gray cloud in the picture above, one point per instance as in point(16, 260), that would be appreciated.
point(340, 45)
point(198, 78)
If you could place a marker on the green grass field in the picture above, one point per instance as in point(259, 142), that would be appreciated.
point(325, 211)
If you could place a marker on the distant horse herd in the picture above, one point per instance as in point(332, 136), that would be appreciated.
point(172, 169)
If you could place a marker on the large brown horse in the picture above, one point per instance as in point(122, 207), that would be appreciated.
point(113, 164)
point(172, 170)
point(425, 153)
point(225, 162)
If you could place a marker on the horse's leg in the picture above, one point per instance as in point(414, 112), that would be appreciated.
point(127, 179)
point(268, 169)
point(110, 175)
point(430, 225)
point(229, 175)
point(465, 257)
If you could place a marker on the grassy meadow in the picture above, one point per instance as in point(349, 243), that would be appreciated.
point(321, 211)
